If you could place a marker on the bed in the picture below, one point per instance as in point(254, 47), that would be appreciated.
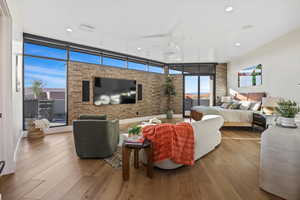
point(233, 117)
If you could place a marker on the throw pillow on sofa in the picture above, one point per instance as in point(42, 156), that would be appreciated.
point(235, 105)
point(225, 105)
point(245, 105)
point(255, 106)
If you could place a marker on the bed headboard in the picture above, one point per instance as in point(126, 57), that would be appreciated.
point(255, 96)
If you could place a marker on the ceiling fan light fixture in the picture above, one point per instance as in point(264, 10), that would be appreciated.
point(69, 30)
point(229, 8)
point(237, 44)
point(87, 27)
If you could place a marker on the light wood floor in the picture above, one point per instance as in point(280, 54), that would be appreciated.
point(49, 169)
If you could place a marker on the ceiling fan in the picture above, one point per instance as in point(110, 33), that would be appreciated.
point(163, 35)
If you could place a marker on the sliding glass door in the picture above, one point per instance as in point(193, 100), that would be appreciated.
point(198, 91)
point(45, 85)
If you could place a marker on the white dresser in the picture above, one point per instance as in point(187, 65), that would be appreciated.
point(280, 162)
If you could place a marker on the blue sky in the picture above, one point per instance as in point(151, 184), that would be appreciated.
point(53, 72)
point(191, 84)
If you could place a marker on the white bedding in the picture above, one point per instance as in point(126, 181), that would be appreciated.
point(229, 115)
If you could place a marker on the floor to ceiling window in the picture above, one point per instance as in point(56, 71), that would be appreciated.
point(45, 74)
point(45, 84)
point(198, 91)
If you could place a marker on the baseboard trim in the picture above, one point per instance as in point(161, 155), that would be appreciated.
point(17, 149)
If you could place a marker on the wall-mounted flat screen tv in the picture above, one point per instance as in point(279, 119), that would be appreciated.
point(114, 91)
point(250, 76)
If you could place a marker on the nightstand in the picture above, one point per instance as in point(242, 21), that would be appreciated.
point(263, 120)
point(259, 119)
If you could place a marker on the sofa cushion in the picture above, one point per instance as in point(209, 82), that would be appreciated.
point(92, 117)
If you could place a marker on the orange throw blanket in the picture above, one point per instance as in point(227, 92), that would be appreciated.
point(170, 141)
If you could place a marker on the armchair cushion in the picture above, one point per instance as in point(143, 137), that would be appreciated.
point(96, 138)
point(92, 117)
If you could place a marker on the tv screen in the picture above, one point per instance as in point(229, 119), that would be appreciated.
point(114, 91)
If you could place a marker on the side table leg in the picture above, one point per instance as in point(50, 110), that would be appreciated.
point(126, 162)
point(136, 158)
point(149, 162)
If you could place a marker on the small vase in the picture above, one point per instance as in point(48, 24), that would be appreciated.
point(170, 114)
point(289, 122)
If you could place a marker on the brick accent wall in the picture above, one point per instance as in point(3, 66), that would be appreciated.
point(153, 103)
point(177, 100)
point(221, 80)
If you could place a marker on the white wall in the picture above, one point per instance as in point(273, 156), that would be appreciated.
point(11, 29)
point(6, 133)
point(16, 8)
point(281, 67)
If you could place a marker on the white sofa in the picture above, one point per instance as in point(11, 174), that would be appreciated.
point(207, 137)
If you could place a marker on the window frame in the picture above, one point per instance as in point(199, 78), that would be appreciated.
point(47, 58)
point(69, 46)
point(84, 52)
point(114, 58)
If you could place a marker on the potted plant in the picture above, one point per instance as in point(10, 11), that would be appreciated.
point(288, 110)
point(134, 132)
point(36, 128)
point(169, 92)
point(37, 88)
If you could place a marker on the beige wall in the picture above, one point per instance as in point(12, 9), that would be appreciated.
point(153, 103)
point(281, 67)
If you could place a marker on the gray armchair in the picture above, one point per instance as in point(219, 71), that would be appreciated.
point(95, 137)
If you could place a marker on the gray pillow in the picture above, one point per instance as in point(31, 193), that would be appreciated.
point(92, 117)
point(235, 105)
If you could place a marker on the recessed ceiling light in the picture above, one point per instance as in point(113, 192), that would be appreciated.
point(139, 48)
point(228, 8)
point(69, 30)
point(237, 44)
point(87, 27)
point(249, 26)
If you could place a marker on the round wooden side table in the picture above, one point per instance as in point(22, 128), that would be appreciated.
point(127, 148)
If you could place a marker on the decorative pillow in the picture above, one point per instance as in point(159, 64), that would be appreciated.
point(245, 105)
point(235, 105)
point(255, 106)
point(225, 105)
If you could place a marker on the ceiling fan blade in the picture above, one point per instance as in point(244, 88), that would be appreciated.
point(174, 27)
point(155, 36)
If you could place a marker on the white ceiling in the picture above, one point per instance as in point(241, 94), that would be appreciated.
point(200, 30)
